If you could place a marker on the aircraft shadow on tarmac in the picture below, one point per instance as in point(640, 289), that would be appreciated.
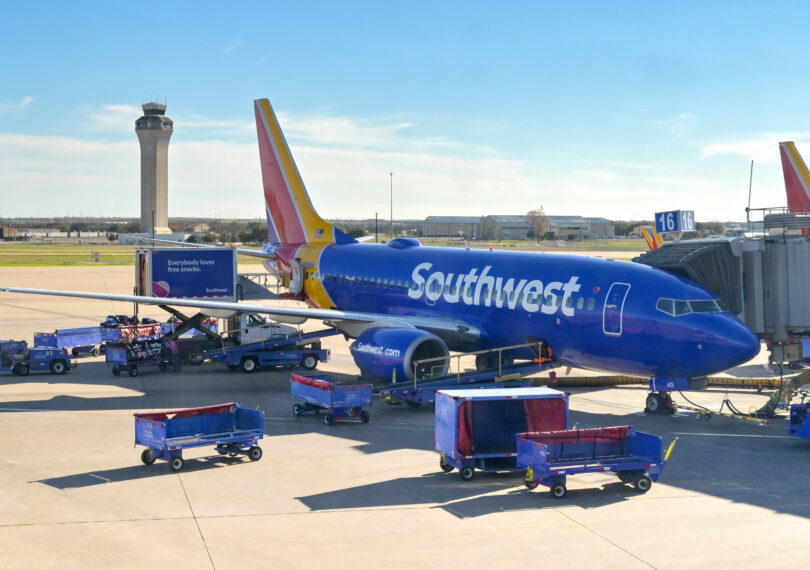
point(134, 472)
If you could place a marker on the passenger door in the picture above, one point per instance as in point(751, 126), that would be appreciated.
point(614, 307)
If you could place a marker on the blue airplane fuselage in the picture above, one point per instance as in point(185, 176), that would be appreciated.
point(593, 313)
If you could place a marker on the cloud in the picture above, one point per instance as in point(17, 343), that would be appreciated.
point(112, 118)
point(21, 105)
point(762, 148)
point(678, 125)
point(345, 164)
point(233, 46)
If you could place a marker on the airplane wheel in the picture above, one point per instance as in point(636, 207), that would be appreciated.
point(654, 403)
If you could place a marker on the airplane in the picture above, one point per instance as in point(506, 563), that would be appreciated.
point(402, 301)
point(797, 178)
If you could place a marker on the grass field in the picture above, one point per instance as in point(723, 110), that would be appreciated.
point(20, 254)
point(31, 254)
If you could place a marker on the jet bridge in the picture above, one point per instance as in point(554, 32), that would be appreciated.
point(763, 279)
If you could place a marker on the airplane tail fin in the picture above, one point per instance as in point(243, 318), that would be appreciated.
point(291, 217)
point(797, 178)
point(652, 237)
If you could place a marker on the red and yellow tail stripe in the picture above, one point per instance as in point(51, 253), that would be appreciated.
point(797, 178)
point(291, 217)
point(652, 237)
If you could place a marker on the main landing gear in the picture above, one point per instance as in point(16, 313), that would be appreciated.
point(659, 403)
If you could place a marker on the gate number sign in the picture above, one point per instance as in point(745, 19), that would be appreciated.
point(675, 221)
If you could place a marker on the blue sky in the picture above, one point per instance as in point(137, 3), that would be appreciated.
point(616, 109)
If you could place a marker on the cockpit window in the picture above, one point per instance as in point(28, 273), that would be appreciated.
point(677, 308)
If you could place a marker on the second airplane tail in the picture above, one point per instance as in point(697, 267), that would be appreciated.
point(291, 218)
point(797, 178)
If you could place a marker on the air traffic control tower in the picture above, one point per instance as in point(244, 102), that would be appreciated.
point(154, 130)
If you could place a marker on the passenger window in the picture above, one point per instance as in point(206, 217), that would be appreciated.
point(569, 302)
point(580, 303)
point(399, 284)
point(591, 303)
point(385, 284)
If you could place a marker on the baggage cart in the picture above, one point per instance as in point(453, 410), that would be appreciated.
point(475, 429)
point(551, 456)
point(232, 429)
point(132, 357)
point(799, 424)
point(319, 393)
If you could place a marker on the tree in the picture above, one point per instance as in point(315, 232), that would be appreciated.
point(539, 223)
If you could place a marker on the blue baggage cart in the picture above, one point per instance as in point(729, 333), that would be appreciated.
point(132, 357)
point(475, 429)
point(234, 430)
point(799, 424)
point(319, 393)
point(549, 457)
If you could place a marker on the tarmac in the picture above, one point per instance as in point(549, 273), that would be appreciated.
point(73, 492)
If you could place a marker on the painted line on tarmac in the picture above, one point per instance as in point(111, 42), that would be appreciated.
point(733, 435)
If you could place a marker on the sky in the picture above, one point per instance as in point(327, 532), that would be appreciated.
point(604, 109)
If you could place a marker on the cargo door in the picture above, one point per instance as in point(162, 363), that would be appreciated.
point(614, 306)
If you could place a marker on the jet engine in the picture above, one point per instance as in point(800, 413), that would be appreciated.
point(380, 353)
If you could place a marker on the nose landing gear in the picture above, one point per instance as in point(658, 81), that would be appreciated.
point(659, 403)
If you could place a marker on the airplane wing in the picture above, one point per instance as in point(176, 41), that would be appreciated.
point(240, 251)
point(353, 323)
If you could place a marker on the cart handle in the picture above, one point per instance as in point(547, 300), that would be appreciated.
point(671, 447)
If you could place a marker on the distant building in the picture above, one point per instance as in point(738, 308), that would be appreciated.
point(8, 231)
point(505, 227)
point(452, 226)
point(580, 227)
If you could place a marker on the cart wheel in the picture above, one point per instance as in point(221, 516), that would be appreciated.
point(222, 451)
point(22, 369)
point(147, 456)
point(74, 351)
point(624, 477)
point(249, 364)
point(255, 453)
point(559, 491)
point(176, 464)
point(95, 351)
point(531, 484)
point(133, 371)
point(328, 419)
point(116, 371)
point(364, 417)
point(642, 484)
point(232, 454)
point(467, 473)
point(298, 410)
point(309, 362)
point(446, 467)
point(698, 416)
point(58, 367)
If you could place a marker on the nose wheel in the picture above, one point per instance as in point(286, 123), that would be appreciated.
point(659, 403)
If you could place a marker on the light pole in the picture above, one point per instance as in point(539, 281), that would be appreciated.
point(391, 174)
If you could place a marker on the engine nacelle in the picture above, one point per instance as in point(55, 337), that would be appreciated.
point(381, 352)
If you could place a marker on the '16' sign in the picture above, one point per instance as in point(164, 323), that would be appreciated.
point(675, 221)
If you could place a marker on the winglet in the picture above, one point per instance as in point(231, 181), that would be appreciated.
point(797, 178)
point(291, 218)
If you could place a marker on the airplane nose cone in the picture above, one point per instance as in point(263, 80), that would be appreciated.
point(735, 345)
